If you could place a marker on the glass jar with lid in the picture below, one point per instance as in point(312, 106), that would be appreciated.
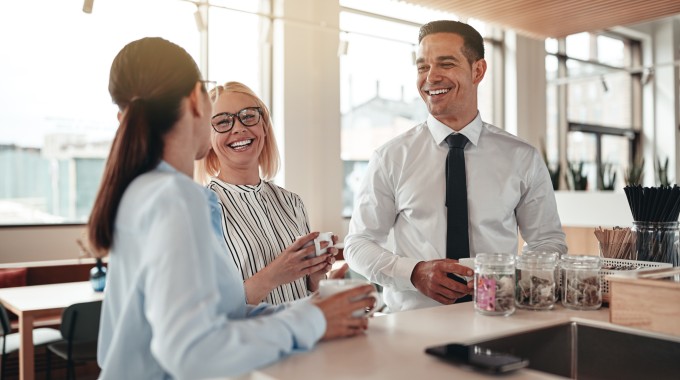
point(536, 278)
point(494, 283)
point(581, 288)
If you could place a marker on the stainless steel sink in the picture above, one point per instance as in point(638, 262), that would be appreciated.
point(579, 350)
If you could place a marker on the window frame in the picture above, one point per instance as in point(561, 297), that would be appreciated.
point(566, 126)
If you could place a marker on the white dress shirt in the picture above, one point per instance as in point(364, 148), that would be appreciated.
point(404, 191)
point(174, 305)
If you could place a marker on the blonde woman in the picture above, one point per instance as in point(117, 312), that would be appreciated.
point(264, 226)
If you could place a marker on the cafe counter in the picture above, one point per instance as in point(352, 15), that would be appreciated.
point(394, 345)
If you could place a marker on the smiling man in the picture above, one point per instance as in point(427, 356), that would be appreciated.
point(450, 187)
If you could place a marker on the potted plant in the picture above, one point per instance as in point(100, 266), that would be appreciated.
point(98, 272)
point(662, 173)
point(633, 175)
point(577, 178)
point(607, 176)
point(553, 171)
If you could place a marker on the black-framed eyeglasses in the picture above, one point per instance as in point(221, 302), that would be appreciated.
point(224, 122)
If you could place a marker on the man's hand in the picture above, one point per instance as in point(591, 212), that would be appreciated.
point(430, 278)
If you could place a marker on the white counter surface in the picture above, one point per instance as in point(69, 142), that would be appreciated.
point(393, 347)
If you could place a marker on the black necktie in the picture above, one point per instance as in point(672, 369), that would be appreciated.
point(457, 243)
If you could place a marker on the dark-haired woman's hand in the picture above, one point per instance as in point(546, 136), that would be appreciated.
point(338, 310)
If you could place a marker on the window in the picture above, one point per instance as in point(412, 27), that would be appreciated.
point(378, 92)
point(236, 45)
point(56, 115)
point(591, 82)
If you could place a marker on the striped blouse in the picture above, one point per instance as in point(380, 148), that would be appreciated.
point(258, 223)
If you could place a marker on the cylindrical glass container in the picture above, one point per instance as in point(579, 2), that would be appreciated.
point(494, 283)
point(536, 280)
point(581, 287)
point(657, 242)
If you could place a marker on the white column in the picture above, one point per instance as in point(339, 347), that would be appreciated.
point(525, 88)
point(306, 106)
point(666, 35)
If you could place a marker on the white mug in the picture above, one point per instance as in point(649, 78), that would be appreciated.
point(467, 262)
point(329, 287)
point(323, 236)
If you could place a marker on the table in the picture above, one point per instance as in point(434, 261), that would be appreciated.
point(393, 346)
point(41, 301)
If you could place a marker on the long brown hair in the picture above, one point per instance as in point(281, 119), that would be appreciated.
point(269, 158)
point(149, 79)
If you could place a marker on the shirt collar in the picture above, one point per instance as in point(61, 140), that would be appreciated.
point(239, 188)
point(164, 166)
point(439, 130)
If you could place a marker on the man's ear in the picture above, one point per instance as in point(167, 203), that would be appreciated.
point(478, 70)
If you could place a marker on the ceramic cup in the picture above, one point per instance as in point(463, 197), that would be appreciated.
point(323, 236)
point(329, 287)
point(467, 262)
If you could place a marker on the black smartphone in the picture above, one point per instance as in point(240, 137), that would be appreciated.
point(478, 357)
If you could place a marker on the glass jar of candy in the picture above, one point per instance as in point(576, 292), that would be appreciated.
point(494, 283)
point(536, 280)
point(581, 288)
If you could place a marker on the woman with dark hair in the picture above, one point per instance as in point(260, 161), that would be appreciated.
point(175, 304)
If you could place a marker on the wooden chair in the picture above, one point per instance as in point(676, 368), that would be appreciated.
point(80, 330)
point(11, 341)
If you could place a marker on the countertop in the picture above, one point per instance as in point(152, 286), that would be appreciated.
point(393, 347)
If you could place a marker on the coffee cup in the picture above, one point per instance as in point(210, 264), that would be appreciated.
point(467, 262)
point(329, 287)
point(323, 236)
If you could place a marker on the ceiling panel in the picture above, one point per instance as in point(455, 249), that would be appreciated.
point(556, 18)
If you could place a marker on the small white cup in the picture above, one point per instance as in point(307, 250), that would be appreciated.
point(323, 236)
point(467, 262)
point(329, 287)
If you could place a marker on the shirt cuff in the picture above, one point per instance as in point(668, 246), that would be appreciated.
point(307, 336)
point(402, 273)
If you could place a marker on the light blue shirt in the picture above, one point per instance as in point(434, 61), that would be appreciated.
point(404, 192)
point(175, 305)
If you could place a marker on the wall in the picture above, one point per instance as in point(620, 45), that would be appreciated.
point(583, 211)
point(306, 107)
point(525, 112)
point(39, 243)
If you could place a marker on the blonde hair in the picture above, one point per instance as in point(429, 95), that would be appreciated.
point(269, 158)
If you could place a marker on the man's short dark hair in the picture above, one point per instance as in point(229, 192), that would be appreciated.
point(473, 47)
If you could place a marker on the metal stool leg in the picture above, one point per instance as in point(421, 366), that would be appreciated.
point(48, 365)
